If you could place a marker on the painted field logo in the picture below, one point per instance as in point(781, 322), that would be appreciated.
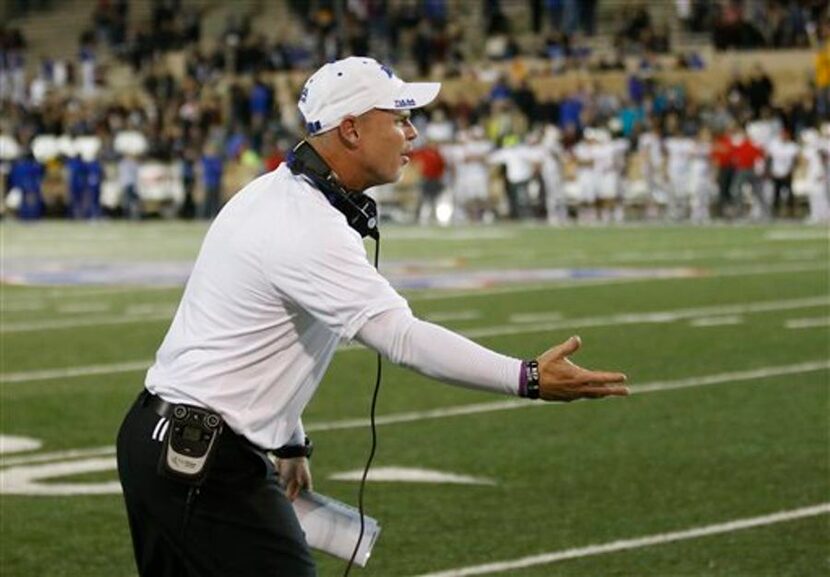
point(48, 474)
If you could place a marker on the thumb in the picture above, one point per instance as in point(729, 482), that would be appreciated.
point(569, 347)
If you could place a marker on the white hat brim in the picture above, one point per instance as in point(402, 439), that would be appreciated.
point(411, 95)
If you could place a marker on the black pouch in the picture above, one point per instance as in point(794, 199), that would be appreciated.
point(190, 445)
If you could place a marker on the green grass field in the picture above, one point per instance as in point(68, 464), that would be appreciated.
point(721, 456)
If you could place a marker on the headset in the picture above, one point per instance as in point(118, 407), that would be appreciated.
point(361, 213)
point(360, 210)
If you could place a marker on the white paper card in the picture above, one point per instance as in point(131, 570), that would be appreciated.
point(334, 527)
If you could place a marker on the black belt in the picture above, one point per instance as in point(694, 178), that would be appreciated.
point(161, 407)
point(165, 409)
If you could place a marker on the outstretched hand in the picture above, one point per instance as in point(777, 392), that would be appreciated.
point(562, 380)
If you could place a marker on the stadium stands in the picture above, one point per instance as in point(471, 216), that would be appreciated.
point(200, 95)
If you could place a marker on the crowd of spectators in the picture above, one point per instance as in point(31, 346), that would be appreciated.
point(749, 24)
point(220, 120)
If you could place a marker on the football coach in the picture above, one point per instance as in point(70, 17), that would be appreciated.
point(282, 278)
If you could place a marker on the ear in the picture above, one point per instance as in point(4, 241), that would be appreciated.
point(349, 132)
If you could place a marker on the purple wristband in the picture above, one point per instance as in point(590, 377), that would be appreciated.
point(523, 379)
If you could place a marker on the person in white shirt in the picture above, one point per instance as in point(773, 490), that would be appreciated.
point(583, 153)
point(679, 151)
point(282, 278)
point(471, 173)
point(553, 178)
point(813, 152)
point(128, 181)
point(522, 162)
point(650, 150)
point(783, 154)
point(702, 187)
point(609, 161)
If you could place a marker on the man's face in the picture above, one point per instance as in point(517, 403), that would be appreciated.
point(385, 142)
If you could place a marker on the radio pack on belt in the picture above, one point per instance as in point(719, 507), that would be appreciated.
point(189, 447)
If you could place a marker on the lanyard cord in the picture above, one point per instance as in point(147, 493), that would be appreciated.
point(372, 450)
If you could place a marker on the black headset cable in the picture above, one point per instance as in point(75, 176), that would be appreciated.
point(373, 448)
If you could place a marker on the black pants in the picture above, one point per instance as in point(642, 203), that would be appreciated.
point(238, 523)
point(785, 183)
point(725, 200)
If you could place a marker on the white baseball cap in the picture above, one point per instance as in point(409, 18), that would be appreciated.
point(354, 85)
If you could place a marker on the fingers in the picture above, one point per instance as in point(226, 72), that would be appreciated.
point(297, 484)
point(295, 476)
point(292, 490)
point(600, 392)
point(587, 392)
point(604, 377)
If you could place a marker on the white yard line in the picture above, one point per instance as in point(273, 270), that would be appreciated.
point(78, 308)
point(798, 235)
point(808, 323)
point(151, 309)
point(52, 324)
point(487, 407)
point(65, 372)
point(540, 317)
point(718, 321)
point(446, 316)
point(636, 543)
point(762, 269)
point(577, 323)
point(651, 317)
point(56, 456)
point(73, 291)
point(622, 319)
point(22, 306)
point(736, 376)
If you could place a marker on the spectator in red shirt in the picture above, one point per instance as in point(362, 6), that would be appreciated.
point(745, 157)
point(273, 156)
point(722, 159)
point(431, 168)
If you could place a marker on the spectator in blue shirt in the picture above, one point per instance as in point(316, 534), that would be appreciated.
point(212, 180)
point(76, 176)
point(570, 111)
point(26, 175)
point(261, 100)
point(92, 193)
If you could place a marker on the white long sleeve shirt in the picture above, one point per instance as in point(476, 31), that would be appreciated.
point(280, 281)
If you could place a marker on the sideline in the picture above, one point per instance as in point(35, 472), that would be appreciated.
point(637, 543)
point(475, 408)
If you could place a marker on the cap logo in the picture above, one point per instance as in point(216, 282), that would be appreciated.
point(313, 127)
point(388, 71)
point(405, 103)
point(304, 94)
